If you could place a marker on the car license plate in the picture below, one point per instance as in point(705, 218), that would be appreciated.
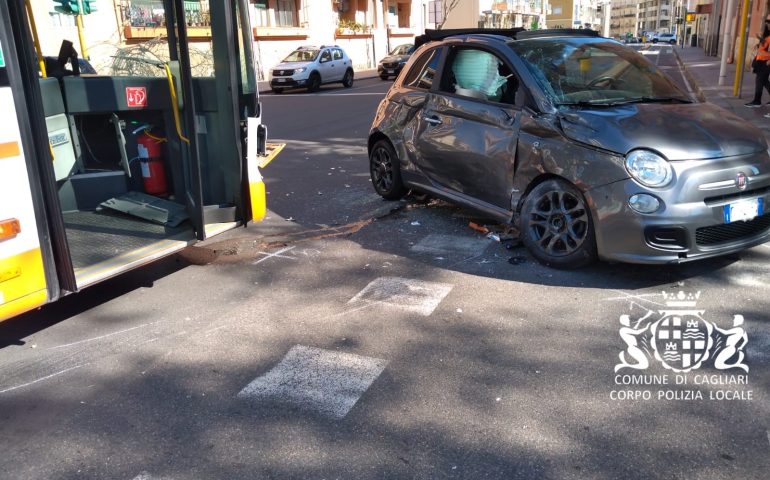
point(743, 210)
point(280, 80)
point(390, 70)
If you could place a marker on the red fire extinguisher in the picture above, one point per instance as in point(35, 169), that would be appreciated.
point(151, 160)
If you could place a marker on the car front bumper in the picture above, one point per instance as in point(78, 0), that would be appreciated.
point(389, 70)
point(690, 224)
point(287, 82)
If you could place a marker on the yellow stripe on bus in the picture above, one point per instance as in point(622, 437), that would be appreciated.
point(22, 283)
point(9, 149)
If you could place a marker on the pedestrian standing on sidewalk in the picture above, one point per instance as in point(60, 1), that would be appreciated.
point(761, 66)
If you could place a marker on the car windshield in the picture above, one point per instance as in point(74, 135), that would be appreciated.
point(402, 50)
point(584, 71)
point(302, 56)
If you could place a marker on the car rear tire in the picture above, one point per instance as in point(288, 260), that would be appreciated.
point(314, 82)
point(385, 170)
point(672, 42)
point(347, 80)
point(556, 225)
point(277, 90)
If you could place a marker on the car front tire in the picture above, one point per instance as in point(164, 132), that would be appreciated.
point(385, 170)
point(314, 82)
point(277, 90)
point(556, 225)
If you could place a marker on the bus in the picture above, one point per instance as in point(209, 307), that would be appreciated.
point(100, 174)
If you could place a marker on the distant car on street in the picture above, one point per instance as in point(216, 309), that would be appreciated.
point(664, 38)
point(584, 145)
point(395, 61)
point(311, 67)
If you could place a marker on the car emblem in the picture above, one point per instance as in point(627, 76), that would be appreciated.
point(741, 181)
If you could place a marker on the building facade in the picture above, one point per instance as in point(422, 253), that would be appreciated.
point(574, 14)
point(624, 16)
point(529, 14)
point(366, 29)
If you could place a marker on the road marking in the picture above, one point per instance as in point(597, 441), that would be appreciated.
point(626, 296)
point(445, 244)
point(103, 336)
point(413, 295)
point(768, 436)
point(274, 255)
point(322, 381)
point(44, 378)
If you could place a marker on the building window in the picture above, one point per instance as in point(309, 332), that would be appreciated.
point(62, 20)
point(286, 13)
point(260, 13)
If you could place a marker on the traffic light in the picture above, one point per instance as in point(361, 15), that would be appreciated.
point(89, 6)
point(70, 7)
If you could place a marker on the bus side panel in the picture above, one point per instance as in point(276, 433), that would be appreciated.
point(22, 274)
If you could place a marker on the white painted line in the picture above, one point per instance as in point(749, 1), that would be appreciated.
point(768, 436)
point(103, 336)
point(448, 244)
point(649, 52)
point(41, 379)
point(322, 381)
point(274, 255)
point(412, 295)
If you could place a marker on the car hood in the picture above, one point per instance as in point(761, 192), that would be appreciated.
point(693, 131)
point(291, 65)
point(395, 58)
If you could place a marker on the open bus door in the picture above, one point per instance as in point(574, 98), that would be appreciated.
point(128, 168)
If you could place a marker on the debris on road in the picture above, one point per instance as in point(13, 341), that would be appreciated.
point(415, 223)
point(478, 228)
point(517, 260)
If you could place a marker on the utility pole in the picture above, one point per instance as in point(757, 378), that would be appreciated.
point(726, 42)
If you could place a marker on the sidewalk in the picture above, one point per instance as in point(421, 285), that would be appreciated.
point(264, 85)
point(702, 72)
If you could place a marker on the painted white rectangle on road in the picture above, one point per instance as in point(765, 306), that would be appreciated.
point(323, 381)
point(449, 244)
point(407, 294)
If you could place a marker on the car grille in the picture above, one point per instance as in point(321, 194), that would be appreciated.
point(718, 234)
point(283, 73)
point(390, 65)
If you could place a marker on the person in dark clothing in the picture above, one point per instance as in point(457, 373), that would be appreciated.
point(761, 66)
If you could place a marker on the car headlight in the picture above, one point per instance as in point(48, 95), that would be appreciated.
point(649, 168)
point(300, 70)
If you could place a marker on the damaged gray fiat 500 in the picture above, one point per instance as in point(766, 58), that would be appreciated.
point(578, 141)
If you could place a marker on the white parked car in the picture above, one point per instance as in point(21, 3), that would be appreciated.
point(664, 38)
point(310, 67)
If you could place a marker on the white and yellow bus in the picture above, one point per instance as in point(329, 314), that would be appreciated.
point(102, 174)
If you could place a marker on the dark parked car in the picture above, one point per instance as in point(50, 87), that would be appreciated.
point(395, 61)
point(583, 144)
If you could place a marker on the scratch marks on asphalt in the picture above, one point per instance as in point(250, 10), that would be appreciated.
point(317, 380)
point(103, 336)
point(413, 295)
point(41, 379)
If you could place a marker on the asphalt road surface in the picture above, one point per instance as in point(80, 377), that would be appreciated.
point(349, 337)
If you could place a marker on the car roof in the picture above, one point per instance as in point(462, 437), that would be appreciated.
point(500, 34)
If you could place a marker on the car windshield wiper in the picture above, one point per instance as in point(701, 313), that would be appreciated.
point(655, 100)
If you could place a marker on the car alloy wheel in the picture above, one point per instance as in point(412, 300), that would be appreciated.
point(385, 171)
point(278, 90)
point(347, 81)
point(556, 225)
point(314, 82)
